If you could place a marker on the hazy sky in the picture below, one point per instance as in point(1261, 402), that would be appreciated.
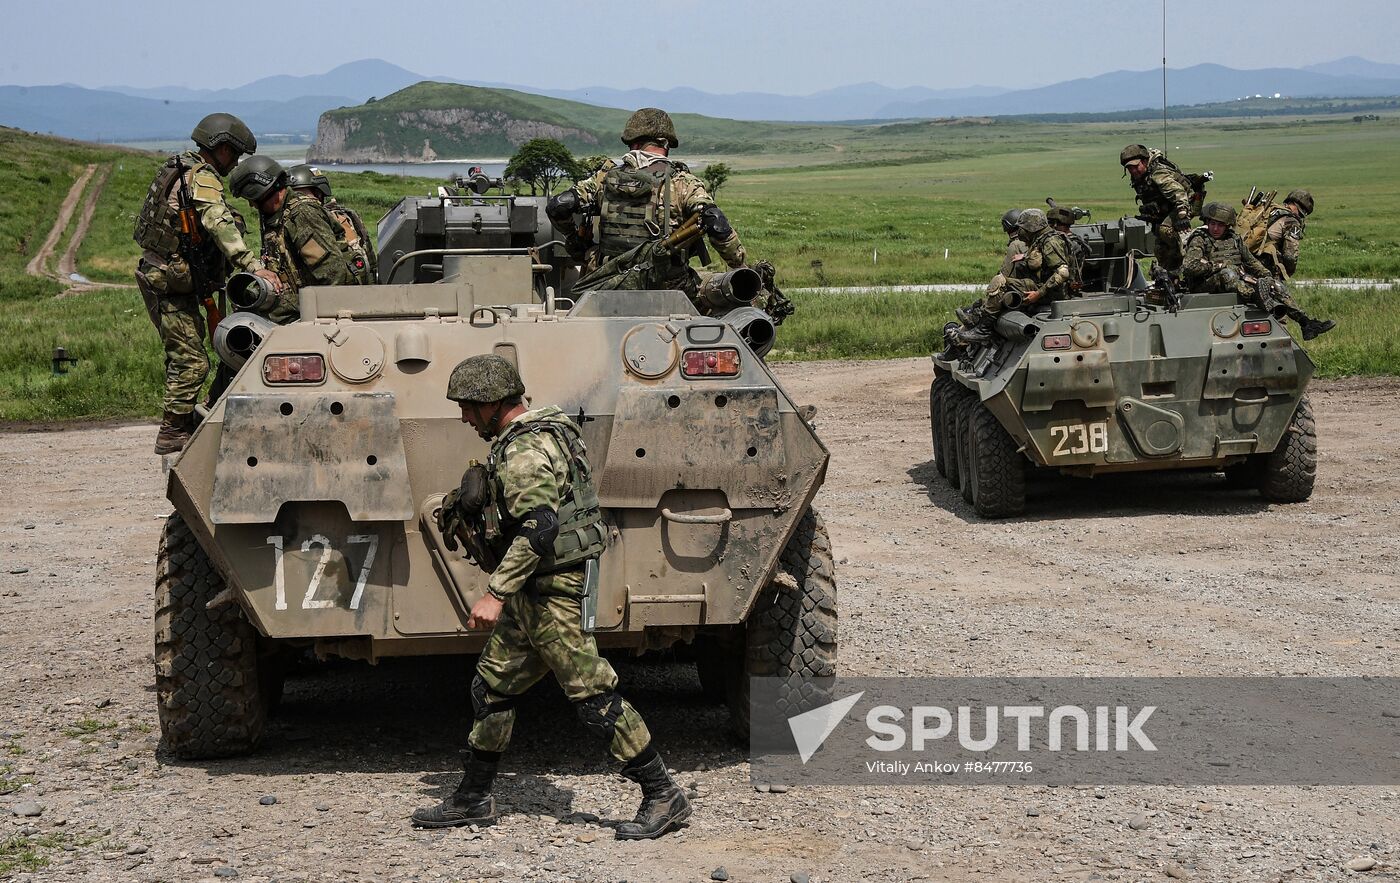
point(787, 46)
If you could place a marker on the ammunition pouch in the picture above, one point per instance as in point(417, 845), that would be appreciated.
point(475, 490)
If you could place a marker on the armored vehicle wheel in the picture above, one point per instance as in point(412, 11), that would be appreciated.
point(1287, 474)
point(938, 393)
point(947, 427)
point(208, 693)
point(996, 467)
point(791, 631)
point(964, 409)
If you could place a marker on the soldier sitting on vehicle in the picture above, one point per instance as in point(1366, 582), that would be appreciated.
point(1218, 261)
point(1038, 276)
point(1062, 219)
point(302, 243)
point(310, 180)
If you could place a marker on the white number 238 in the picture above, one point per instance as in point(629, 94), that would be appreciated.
point(1081, 438)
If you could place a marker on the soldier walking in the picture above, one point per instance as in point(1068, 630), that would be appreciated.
point(531, 517)
point(190, 239)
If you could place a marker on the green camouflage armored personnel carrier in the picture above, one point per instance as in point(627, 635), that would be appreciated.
point(1127, 377)
point(305, 502)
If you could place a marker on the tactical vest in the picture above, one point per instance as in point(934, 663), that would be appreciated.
point(582, 534)
point(157, 223)
point(1228, 251)
point(629, 214)
point(1152, 201)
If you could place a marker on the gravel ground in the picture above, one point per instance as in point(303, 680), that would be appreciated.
point(1145, 575)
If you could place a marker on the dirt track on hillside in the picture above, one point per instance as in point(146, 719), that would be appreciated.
point(1139, 575)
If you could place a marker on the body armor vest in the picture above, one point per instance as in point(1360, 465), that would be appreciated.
point(582, 534)
point(1153, 203)
point(636, 207)
point(1228, 250)
point(157, 224)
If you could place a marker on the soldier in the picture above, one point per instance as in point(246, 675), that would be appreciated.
point(302, 243)
point(534, 508)
point(1062, 219)
point(971, 314)
point(191, 239)
point(1217, 261)
point(1279, 250)
point(1164, 195)
point(1038, 276)
point(644, 196)
point(1014, 245)
point(310, 180)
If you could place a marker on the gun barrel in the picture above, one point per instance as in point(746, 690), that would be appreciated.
point(735, 288)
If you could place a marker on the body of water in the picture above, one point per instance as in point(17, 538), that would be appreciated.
point(439, 170)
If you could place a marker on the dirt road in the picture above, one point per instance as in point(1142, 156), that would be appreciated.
point(38, 265)
point(1134, 576)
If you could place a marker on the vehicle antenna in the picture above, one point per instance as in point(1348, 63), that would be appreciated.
point(1165, 146)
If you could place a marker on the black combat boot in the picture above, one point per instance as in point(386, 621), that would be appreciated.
point(980, 333)
point(1316, 327)
point(664, 804)
point(953, 348)
point(174, 434)
point(471, 803)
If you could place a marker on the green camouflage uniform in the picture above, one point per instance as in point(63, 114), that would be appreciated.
point(1280, 248)
point(172, 293)
point(1220, 265)
point(629, 198)
point(540, 628)
point(1013, 248)
point(1164, 199)
point(304, 246)
point(1045, 268)
point(356, 235)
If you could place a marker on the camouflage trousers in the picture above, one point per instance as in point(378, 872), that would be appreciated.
point(540, 631)
point(1005, 294)
point(1167, 251)
point(180, 325)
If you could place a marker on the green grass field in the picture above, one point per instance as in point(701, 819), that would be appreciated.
point(871, 209)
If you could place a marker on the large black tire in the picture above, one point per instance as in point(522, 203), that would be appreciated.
point(210, 698)
point(791, 633)
point(996, 468)
point(948, 428)
point(965, 406)
point(1287, 474)
point(938, 394)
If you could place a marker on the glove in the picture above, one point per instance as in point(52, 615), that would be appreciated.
point(449, 519)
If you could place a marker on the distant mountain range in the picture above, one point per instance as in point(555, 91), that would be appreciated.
point(293, 105)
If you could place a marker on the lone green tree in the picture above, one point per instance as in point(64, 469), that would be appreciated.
point(715, 175)
point(542, 163)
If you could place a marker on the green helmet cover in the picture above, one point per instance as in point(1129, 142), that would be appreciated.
point(1302, 198)
point(483, 379)
point(1219, 211)
point(1132, 152)
point(256, 177)
point(1032, 221)
point(224, 128)
point(650, 122)
point(308, 176)
point(1060, 215)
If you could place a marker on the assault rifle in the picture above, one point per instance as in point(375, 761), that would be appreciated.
point(1163, 282)
point(650, 265)
point(191, 237)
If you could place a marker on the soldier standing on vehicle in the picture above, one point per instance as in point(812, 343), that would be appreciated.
point(1062, 219)
point(1279, 250)
point(302, 243)
point(191, 239)
point(643, 197)
point(310, 180)
point(1038, 276)
point(532, 511)
point(1165, 196)
point(1218, 261)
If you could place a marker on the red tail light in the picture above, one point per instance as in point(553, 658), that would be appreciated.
point(710, 363)
point(1256, 327)
point(294, 369)
point(1055, 342)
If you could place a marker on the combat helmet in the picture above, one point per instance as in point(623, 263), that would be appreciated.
point(1219, 211)
point(483, 379)
point(224, 128)
point(1302, 198)
point(1008, 220)
point(1132, 152)
point(1032, 221)
point(650, 122)
point(308, 176)
point(256, 177)
point(1060, 215)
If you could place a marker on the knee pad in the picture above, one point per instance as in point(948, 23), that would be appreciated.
point(600, 713)
point(482, 704)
